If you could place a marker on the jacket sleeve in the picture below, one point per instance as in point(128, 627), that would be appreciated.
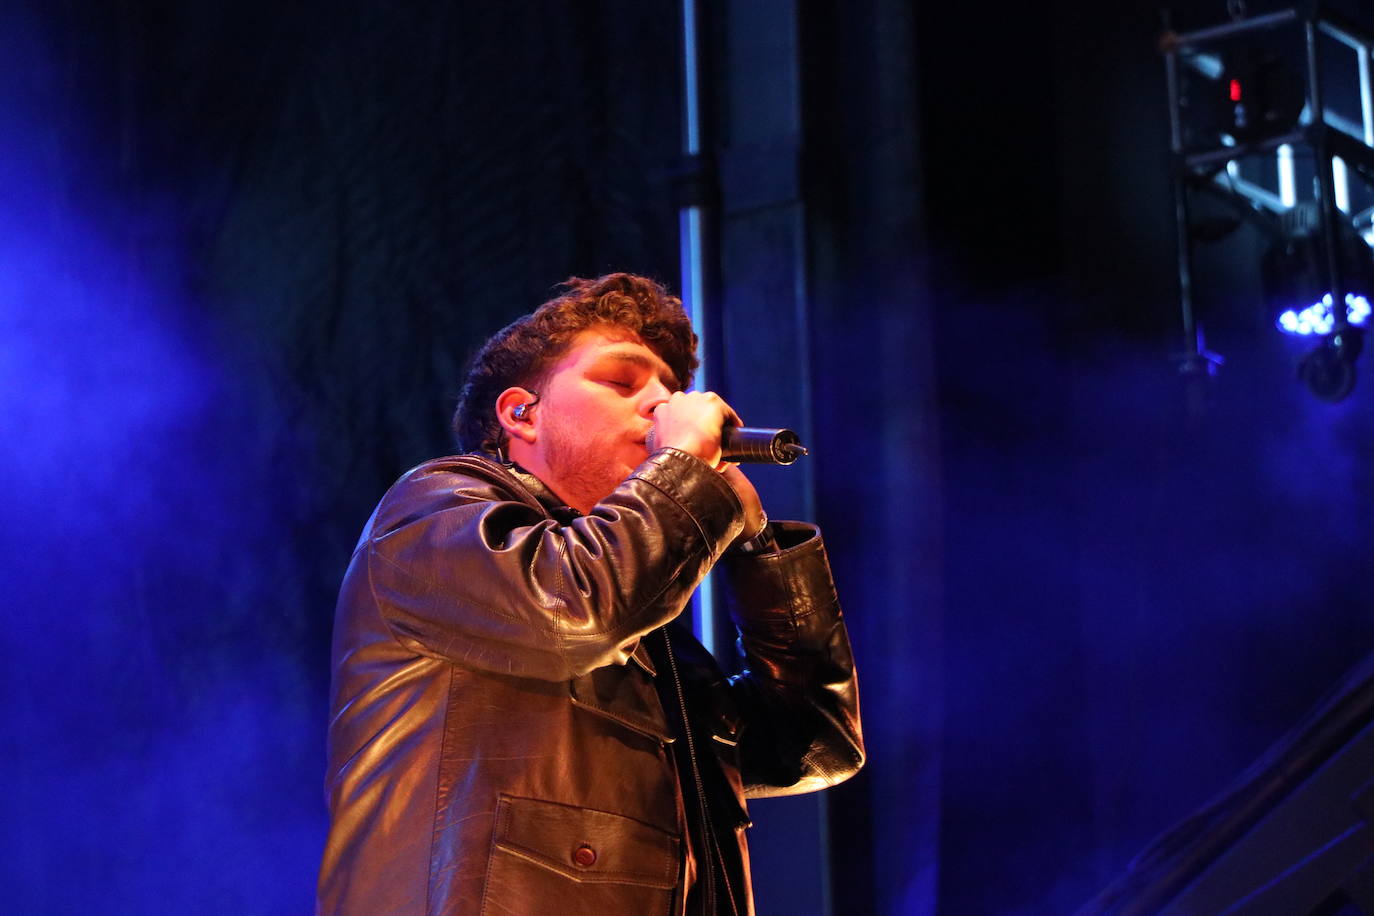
point(462, 567)
point(797, 691)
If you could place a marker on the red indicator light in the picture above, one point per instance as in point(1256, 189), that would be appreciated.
point(1235, 90)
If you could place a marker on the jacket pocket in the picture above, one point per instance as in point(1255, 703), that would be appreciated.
point(548, 857)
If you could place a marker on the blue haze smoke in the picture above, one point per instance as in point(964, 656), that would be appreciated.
point(160, 715)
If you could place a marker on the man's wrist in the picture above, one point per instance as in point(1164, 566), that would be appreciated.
point(763, 542)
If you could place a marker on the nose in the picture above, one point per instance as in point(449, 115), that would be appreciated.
point(653, 394)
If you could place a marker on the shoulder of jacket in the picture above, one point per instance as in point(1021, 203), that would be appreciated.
point(476, 474)
point(472, 464)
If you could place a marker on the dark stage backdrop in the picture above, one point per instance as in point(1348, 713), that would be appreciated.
point(247, 252)
point(246, 249)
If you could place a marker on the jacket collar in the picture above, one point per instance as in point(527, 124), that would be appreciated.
point(548, 499)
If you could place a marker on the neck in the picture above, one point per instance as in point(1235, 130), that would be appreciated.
point(566, 490)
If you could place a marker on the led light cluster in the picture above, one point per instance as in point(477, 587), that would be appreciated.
point(1318, 318)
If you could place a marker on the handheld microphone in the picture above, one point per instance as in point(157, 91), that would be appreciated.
point(753, 445)
point(760, 446)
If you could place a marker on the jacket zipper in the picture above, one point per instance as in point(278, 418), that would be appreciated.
point(709, 844)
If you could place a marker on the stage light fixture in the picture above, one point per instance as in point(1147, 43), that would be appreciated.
point(1294, 275)
point(1250, 92)
point(1297, 289)
point(1320, 318)
point(1328, 370)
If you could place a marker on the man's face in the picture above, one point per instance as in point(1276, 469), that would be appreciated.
point(595, 410)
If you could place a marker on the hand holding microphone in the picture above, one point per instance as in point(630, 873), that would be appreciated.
point(701, 423)
point(692, 421)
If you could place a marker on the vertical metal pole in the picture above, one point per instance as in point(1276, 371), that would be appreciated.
point(1185, 259)
point(692, 271)
point(1366, 108)
point(1288, 184)
point(1326, 183)
point(1366, 95)
point(1341, 184)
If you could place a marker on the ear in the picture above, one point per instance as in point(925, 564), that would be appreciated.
point(523, 428)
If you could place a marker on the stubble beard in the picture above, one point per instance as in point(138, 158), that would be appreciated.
point(582, 473)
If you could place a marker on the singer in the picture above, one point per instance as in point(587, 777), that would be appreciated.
point(520, 723)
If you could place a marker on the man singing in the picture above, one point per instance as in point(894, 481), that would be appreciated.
point(520, 723)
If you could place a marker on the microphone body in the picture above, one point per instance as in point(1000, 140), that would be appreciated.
point(753, 445)
point(760, 446)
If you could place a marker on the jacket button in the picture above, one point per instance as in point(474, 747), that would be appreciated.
point(584, 856)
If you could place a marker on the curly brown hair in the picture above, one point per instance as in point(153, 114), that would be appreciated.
point(522, 352)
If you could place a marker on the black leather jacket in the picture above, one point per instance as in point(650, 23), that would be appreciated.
point(497, 741)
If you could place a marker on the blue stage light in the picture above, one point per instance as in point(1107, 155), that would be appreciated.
point(1319, 318)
